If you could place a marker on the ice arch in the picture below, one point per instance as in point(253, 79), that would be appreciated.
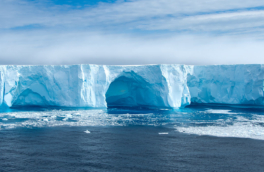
point(30, 98)
point(133, 91)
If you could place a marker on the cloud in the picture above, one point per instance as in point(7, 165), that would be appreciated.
point(233, 22)
point(132, 32)
point(123, 49)
point(177, 15)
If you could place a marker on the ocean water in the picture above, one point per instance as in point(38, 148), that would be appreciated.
point(196, 138)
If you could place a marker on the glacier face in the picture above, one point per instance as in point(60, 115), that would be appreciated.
point(94, 86)
point(41, 86)
point(151, 86)
point(226, 84)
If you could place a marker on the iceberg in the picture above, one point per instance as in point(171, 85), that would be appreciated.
point(150, 86)
point(142, 86)
point(226, 84)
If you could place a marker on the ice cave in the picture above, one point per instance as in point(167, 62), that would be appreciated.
point(132, 91)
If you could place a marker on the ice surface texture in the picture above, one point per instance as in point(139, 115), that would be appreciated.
point(150, 86)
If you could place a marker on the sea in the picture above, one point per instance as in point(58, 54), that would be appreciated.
point(197, 138)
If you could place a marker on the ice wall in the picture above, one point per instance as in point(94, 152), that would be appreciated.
point(152, 86)
point(227, 84)
point(42, 86)
point(87, 86)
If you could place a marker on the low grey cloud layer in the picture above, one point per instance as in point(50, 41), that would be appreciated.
point(133, 32)
point(98, 48)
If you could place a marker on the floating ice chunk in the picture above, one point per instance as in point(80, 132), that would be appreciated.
point(163, 133)
point(46, 119)
point(87, 132)
point(5, 119)
point(68, 115)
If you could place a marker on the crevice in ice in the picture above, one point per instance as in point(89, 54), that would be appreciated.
point(130, 90)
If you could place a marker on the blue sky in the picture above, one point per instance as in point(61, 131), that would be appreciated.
point(81, 3)
point(131, 32)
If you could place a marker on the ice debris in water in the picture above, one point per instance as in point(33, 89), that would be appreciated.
point(78, 118)
point(87, 131)
point(163, 133)
point(239, 127)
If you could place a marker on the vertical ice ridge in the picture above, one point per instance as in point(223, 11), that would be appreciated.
point(93, 85)
point(176, 78)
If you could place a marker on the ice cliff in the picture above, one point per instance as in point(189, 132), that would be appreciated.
point(150, 86)
point(226, 84)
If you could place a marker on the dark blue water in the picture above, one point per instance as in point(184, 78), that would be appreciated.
point(197, 138)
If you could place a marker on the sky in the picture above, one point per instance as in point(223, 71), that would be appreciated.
point(131, 32)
